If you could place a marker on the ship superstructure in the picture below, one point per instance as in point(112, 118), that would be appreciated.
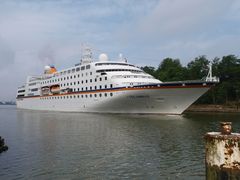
point(108, 87)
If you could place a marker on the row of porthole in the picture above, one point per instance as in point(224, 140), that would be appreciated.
point(78, 96)
point(90, 88)
point(68, 78)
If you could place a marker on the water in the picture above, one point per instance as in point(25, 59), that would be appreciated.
point(57, 145)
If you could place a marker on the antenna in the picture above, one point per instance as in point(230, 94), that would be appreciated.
point(120, 57)
point(87, 56)
point(209, 77)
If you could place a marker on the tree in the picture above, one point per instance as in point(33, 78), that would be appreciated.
point(227, 69)
point(171, 70)
point(198, 68)
point(149, 70)
point(229, 73)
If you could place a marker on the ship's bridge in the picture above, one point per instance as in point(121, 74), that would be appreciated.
point(116, 67)
point(124, 73)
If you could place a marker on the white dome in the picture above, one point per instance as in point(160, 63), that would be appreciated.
point(103, 57)
point(47, 67)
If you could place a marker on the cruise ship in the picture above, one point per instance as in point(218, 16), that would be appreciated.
point(105, 86)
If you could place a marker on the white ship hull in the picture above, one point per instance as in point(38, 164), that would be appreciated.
point(167, 100)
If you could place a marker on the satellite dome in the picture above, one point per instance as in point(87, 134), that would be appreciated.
point(103, 57)
point(47, 67)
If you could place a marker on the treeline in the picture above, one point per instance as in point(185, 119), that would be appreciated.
point(226, 68)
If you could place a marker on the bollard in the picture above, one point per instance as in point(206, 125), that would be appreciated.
point(223, 154)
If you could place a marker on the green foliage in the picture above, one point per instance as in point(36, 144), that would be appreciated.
point(198, 68)
point(227, 69)
point(149, 70)
point(171, 70)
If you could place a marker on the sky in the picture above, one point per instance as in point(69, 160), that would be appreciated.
point(35, 33)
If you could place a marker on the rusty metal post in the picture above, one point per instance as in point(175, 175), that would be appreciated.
point(223, 154)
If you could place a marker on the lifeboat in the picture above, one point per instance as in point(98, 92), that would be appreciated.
point(45, 90)
point(55, 89)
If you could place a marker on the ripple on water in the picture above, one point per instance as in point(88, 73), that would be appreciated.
point(52, 145)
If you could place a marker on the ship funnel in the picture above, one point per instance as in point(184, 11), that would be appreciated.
point(49, 70)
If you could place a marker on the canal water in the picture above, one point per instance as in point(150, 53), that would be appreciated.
point(57, 145)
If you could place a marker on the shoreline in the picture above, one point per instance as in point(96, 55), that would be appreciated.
point(213, 108)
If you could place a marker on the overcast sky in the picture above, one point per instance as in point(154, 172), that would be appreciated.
point(34, 33)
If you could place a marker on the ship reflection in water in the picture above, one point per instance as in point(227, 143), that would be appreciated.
point(54, 145)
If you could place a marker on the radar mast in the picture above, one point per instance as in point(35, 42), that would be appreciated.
point(87, 56)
